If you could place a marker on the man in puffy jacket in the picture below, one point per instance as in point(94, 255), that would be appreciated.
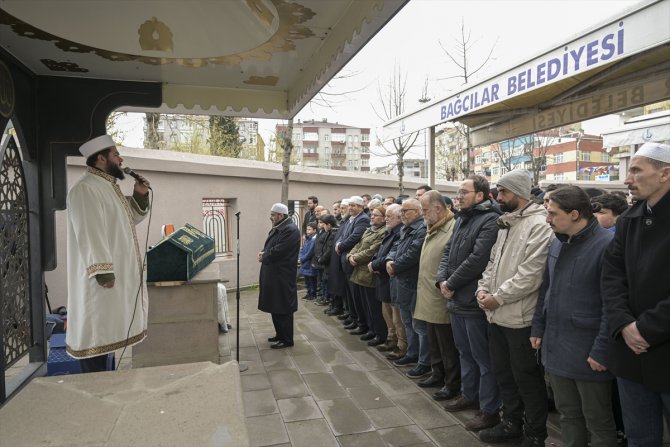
point(464, 259)
point(508, 293)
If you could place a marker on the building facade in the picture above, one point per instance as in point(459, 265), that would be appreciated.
point(320, 144)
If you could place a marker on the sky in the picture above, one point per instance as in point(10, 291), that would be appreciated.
point(414, 43)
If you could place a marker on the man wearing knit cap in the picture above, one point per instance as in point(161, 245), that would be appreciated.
point(507, 292)
point(636, 293)
point(278, 293)
point(107, 295)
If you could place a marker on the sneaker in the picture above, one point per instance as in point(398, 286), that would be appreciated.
point(445, 394)
point(460, 404)
point(431, 381)
point(418, 371)
point(482, 420)
point(406, 361)
point(505, 431)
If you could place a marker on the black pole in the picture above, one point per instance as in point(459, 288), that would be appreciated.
point(237, 294)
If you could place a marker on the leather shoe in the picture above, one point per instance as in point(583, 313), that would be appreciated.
point(367, 336)
point(334, 312)
point(343, 317)
point(395, 354)
point(445, 394)
point(376, 342)
point(280, 345)
point(431, 381)
point(352, 325)
point(273, 339)
point(461, 403)
point(347, 322)
point(482, 420)
point(359, 331)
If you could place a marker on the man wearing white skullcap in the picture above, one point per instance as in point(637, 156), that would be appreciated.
point(636, 293)
point(278, 293)
point(107, 296)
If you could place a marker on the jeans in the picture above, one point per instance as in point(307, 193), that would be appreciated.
point(310, 283)
point(421, 329)
point(478, 382)
point(412, 337)
point(520, 378)
point(643, 412)
point(585, 406)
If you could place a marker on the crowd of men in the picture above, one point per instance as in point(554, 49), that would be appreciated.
point(502, 291)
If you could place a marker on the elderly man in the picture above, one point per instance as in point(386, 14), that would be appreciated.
point(403, 268)
point(431, 316)
point(636, 292)
point(508, 293)
point(277, 293)
point(107, 295)
point(464, 259)
point(396, 339)
point(347, 237)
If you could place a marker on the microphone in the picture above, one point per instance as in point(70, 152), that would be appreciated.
point(135, 175)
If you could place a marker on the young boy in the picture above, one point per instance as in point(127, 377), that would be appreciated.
point(305, 258)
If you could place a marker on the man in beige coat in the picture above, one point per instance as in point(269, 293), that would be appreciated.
point(431, 308)
point(508, 293)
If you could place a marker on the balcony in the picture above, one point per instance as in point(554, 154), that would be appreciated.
point(310, 155)
point(365, 156)
point(338, 156)
point(338, 168)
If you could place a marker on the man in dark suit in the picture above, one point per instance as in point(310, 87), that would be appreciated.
point(277, 284)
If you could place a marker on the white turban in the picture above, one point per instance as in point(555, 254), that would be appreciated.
point(96, 145)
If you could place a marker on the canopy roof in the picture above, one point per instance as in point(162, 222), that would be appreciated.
point(256, 58)
point(619, 64)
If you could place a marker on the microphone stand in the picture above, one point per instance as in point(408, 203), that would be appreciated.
point(237, 296)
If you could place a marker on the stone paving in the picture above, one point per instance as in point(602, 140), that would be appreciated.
point(331, 389)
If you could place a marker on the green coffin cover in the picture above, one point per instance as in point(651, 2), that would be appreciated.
point(180, 256)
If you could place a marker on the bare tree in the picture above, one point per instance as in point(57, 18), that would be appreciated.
point(151, 138)
point(286, 142)
point(527, 152)
point(392, 104)
point(460, 56)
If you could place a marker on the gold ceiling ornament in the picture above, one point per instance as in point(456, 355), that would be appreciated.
point(155, 36)
point(291, 17)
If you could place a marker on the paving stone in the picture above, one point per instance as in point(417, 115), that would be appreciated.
point(259, 403)
point(299, 409)
point(246, 338)
point(324, 386)
point(287, 383)
point(248, 354)
point(301, 347)
point(423, 411)
point(388, 417)
point(274, 359)
point(332, 353)
point(309, 363)
point(369, 361)
point(454, 435)
point(252, 368)
point(344, 417)
point(266, 430)
point(404, 436)
point(255, 382)
point(370, 396)
point(311, 434)
point(369, 439)
point(351, 376)
point(392, 382)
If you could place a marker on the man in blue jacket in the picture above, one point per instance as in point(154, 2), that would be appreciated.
point(463, 262)
point(569, 322)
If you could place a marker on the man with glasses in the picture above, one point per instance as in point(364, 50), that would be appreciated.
point(464, 259)
point(508, 294)
point(403, 268)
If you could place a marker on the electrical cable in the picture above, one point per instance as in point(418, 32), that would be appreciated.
point(139, 289)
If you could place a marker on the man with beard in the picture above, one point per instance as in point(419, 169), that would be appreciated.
point(310, 215)
point(464, 259)
point(277, 293)
point(636, 292)
point(508, 293)
point(107, 295)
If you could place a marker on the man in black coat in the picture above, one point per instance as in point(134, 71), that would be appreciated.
point(310, 215)
point(636, 293)
point(464, 260)
point(277, 284)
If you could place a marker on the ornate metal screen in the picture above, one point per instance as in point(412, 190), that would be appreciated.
point(15, 307)
point(215, 222)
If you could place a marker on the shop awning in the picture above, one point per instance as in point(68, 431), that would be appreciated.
point(652, 127)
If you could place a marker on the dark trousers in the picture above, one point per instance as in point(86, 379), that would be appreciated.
point(358, 299)
point(444, 355)
point(643, 412)
point(520, 377)
point(349, 300)
point(374, 310)
point(283, 324)
point(310, 283)
point(319, 282)
point(93, 364)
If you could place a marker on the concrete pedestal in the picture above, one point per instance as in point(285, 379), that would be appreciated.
point(198, 404)
point(183, 322)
